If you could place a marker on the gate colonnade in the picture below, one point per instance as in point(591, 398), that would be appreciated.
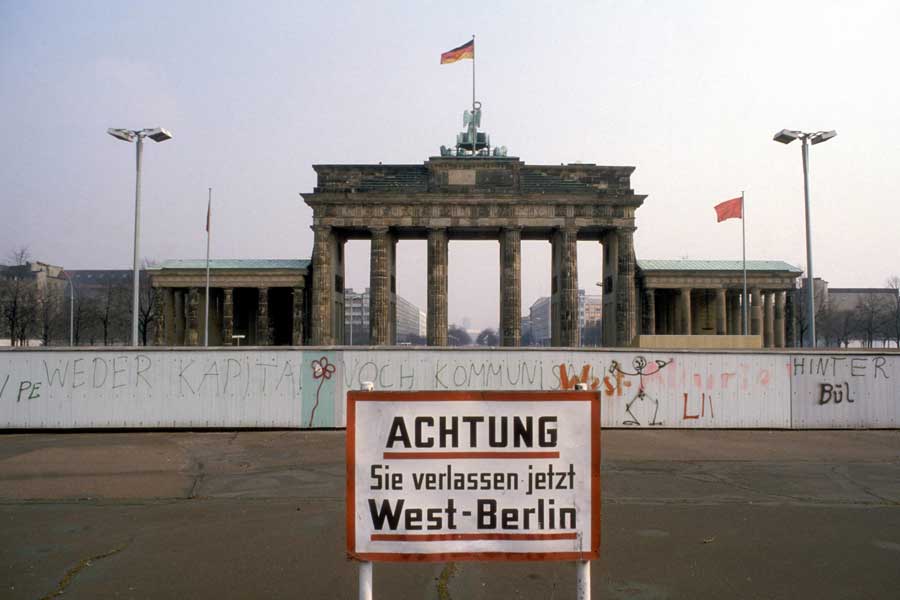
point(496, 198)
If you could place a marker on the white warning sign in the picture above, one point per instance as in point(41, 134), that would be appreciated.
point(473, 475)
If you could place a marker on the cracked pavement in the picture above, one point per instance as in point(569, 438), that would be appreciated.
point(686, 514)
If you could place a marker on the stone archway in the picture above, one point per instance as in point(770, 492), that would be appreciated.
point(474, 197)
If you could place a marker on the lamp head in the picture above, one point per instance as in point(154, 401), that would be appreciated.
point(158, 134)
point(126, 135)
point(822, 136)
point(786, 136)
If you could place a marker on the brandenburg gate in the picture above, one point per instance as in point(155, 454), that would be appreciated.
point(474, 196)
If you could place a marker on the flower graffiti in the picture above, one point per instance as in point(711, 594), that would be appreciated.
point(322, 370)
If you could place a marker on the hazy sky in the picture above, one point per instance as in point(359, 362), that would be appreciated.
point(255, 93)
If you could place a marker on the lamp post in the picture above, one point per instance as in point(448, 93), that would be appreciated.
point(786, 136)
point(157, 134)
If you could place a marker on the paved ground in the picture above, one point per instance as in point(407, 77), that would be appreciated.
point(686, 514)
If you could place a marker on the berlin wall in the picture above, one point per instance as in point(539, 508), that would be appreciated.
point(306, 387)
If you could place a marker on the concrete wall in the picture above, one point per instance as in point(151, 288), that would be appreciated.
point(305, 387)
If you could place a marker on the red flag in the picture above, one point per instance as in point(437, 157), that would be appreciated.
point(467, 50)
point(208, 214)
point(730, 209)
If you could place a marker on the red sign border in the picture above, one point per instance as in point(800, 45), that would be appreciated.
point(486, 396)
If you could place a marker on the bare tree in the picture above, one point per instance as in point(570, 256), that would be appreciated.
point(18, 296)
point(871, 314)
point(19, 256)
point(114, 309)
point(844, 325)
point(49, 304)
point(147, 301)
point(23, 327)
point(87, 319)
point(892, 328)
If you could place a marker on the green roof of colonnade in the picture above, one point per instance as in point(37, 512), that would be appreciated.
point(715, 265)
point(235, 264)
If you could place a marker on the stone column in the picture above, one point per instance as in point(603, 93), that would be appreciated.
point(685, 312)
point(626, 294)
point(322, 319)
point(380, 287)
point(756, 316)
point(168, 302)
point(510, 287)
point(566, 267)
point(159, 311)
point(393, 294)
point(298, 305)
point(180, 324)
point(263, 333)
point(779, 319)
point(790, 320)
point(228, 317)
point(769, 334)
point(193, 317)
point(649, 311)
point(438, 256)
point(721, 313)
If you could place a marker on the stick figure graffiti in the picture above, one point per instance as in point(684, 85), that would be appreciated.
point(640, 371)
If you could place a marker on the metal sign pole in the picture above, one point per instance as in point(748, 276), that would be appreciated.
point(583, 581)
point(365, 567)
point(365, 580)
point(582, 567)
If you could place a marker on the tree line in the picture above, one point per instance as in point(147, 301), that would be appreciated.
point(37, 305)
point(873, 321)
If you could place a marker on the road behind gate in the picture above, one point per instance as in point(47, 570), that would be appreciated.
point(686, 514)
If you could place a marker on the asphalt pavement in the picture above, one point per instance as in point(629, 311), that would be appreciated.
point(686, 514)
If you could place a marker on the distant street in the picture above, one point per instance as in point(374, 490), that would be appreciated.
point(686, 514)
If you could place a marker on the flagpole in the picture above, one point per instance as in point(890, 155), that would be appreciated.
point(206, 309)
point(474, 129)
point(744, 251)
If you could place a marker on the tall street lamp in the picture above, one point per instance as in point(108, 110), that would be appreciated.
point(786, 136)
point(157, 134)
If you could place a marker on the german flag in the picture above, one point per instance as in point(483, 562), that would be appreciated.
point(467, 50)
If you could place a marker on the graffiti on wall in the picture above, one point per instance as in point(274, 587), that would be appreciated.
point(638, 390)
point(306, 388)
point(845, 390)
point(839, 378)
point(128, 388)
point(641, 369)
point(322, 370)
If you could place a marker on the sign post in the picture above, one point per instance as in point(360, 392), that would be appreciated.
point(451, 476)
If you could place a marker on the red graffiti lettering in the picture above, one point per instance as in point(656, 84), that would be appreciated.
point(569, 383)
point(704, 399)
point(620, 384)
